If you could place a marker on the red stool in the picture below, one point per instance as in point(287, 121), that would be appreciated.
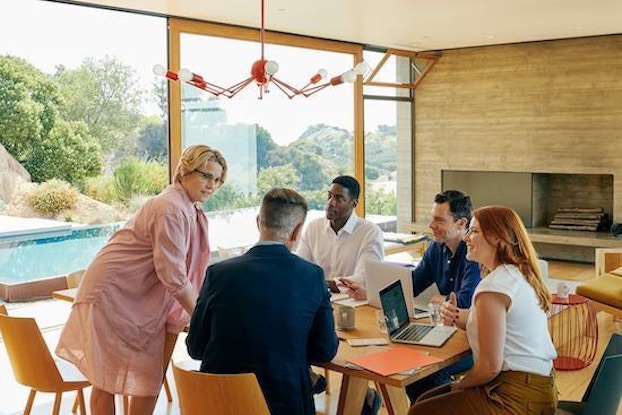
point(574, 331)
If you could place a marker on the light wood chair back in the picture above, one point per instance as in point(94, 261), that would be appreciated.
point(32, 362)
point(73, 279)
point(218, 394)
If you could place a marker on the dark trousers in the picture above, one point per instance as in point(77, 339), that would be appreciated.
point(414, 390)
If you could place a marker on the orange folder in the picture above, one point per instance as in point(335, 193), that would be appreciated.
point(394, 360)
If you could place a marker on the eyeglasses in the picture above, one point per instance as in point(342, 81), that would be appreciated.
point(209, 177)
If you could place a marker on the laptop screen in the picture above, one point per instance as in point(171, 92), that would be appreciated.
point(394, 306)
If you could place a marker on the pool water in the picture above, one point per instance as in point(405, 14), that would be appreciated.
point(34, 259)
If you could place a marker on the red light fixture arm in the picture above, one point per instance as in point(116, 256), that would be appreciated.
point(262, 72)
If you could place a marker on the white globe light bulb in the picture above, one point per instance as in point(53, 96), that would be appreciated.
point(323, 74)
point(271, 67)
point(159, 70)
point(185, 75)
point(360, 68)
point(349, 76)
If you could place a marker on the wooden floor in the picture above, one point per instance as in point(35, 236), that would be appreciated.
point(571, 384)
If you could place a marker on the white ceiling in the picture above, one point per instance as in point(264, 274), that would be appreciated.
point(404, 24)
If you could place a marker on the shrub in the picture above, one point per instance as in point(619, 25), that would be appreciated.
point(52, 197)
point(100, 188)
point(136, 177)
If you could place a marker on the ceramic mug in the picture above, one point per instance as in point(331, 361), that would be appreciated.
point(344, 317)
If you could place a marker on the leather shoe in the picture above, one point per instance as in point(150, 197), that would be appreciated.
point(319, 386)
point(372, 403)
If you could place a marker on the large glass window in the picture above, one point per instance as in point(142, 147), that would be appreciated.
point(388, 137)
point(301, 143)
point(82, 128)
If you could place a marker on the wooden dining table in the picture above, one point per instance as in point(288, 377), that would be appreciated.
point(68, 294)
point(355, 380)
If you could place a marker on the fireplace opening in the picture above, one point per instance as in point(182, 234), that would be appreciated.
point(536, 197)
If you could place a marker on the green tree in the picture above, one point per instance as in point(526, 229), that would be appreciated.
point(265, 145)
point(229, 197)
point(67, 153)
point(313, 168)
point(380, 202)
point(280, 176)
point(33, 130)
point(160, 92)
point(152, 140)
point(104, 95)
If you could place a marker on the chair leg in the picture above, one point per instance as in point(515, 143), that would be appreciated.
point(167, 390)
point(31, 400)
point(75, 406)
point(81, 404)
point(326, 371)
point(57, 401)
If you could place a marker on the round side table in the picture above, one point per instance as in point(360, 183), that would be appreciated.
point(574, 331)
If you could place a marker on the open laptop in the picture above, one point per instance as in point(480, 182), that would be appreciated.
point(401, 329)
point(379, 274)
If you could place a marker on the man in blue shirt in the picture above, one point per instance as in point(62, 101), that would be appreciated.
point(444, 263)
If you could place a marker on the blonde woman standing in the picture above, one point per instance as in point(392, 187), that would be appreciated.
point(142, 285)
point(506, 327)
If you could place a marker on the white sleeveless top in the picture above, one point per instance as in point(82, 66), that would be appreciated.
point(528, 346)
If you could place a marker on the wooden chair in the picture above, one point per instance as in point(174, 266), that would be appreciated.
point(217, 394)
point(73, 279)
point(33, 364)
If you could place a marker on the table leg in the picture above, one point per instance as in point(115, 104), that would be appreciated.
point(352, 395)
point(395, 399)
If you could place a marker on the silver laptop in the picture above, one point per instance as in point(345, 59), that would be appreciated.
point(379, 274)
point(401, 329)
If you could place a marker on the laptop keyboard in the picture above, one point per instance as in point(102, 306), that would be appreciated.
point(414, 332)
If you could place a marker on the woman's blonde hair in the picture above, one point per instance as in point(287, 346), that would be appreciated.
point(194, 157)
point(514, 247)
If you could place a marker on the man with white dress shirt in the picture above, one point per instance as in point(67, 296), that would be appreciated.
point(341, 244)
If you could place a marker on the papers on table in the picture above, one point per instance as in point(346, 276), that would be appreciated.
point(350, 302)
point(394, 360)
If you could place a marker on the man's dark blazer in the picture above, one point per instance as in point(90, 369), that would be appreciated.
point(268, 312)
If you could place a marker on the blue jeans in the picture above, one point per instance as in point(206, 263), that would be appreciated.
point(414, 390)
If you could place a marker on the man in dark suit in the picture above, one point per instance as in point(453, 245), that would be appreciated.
point(267, 311)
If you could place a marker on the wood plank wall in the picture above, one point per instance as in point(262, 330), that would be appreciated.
point(553, 106)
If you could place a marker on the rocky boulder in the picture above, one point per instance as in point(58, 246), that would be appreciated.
point(12, 174)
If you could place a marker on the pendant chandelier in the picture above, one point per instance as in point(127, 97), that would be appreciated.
point(263, 73)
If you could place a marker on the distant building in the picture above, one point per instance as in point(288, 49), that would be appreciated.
point(205, 122)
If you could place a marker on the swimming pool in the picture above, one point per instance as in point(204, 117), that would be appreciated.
point(34, 259)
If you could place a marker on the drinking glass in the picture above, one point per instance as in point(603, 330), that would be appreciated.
point(381, 321)
point(436, 317)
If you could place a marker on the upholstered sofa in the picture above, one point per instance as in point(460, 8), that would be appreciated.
point(605, 290)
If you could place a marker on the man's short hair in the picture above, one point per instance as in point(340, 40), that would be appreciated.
point(281, 210)
point(350, 183)
point(460, 204)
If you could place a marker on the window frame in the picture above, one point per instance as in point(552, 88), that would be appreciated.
point(177, 27)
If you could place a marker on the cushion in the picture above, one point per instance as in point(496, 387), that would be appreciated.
point(617, 271)
point(606, 289)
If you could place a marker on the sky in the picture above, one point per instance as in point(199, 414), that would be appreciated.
point(47, 34)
